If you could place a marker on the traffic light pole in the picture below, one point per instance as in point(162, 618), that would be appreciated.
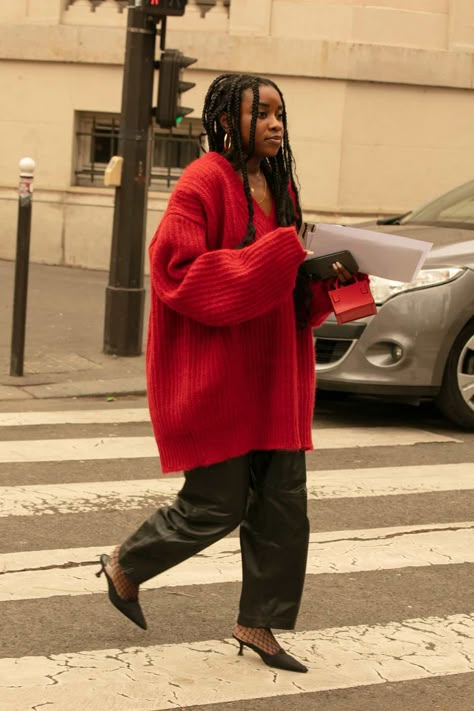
point(125, 294)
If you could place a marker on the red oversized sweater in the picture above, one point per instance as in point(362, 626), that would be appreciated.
point(227, 370)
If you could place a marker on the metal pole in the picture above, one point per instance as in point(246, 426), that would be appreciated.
point(25, 195)
point(125, 295)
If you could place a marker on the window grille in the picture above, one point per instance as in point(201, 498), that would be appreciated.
point(97, 141)
point(172, 151)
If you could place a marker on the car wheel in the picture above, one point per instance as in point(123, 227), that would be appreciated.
point(456, 397)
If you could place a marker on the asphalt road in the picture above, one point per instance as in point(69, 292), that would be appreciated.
point(387, 617)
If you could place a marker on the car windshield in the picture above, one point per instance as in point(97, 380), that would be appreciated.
point(453, 209)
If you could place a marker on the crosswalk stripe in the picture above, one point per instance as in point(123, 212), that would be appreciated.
point(151, 678)
point(348, 437)
point(57, 450)
point(42, 574)
point(385, 481)
point(154, 678)
point(74, 417)
point(132, 494)
point(53, 450)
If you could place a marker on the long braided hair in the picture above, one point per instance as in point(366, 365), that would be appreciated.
point(224, 96)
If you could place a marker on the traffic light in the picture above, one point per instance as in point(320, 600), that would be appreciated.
point(162, 8)
point(169, 111)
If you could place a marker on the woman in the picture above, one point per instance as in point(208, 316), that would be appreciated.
point(230, 367)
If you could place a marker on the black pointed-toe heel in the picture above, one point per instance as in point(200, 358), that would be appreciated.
point(129, 608)
point(280, 660)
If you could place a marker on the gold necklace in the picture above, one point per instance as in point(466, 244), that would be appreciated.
point(252, 190)
point(259, 202)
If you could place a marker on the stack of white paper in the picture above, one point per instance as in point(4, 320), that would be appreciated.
point(379, 254)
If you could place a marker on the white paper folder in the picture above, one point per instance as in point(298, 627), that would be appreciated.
point(379, 254)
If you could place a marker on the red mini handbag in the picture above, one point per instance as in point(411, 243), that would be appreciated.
point(352, 301)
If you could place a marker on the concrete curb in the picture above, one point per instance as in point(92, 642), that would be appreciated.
point(13, 393)
point(86, 388)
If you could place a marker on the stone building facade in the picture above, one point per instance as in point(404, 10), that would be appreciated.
point(380, 97)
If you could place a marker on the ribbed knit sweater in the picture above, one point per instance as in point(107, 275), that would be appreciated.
point(227, 370)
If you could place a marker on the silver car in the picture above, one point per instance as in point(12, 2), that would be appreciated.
point(421, 342)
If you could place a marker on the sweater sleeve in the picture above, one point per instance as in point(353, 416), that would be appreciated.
point(321, 305)
point(221, 287)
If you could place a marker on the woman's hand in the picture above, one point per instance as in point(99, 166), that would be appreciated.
point(343, 274)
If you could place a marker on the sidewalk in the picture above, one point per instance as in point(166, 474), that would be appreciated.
point(64, 338)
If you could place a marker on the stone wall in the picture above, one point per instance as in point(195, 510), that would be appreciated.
point(379, 95)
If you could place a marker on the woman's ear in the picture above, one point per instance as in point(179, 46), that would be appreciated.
point(224, 122)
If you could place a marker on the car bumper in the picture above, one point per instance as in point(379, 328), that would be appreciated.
point(400, 351)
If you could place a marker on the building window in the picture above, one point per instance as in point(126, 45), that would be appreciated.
point(97, 141)
point(173, 150)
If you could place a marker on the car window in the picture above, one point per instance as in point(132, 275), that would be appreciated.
point(453, 209)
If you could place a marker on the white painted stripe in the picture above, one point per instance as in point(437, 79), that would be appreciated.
point(197, 673)
point(74, 417)
point(323, 437)
point(132, 494)
point(40, 574)
point(87, 496)
point(346, 437)
point(54, 450)
point(386, 481)
point(58, 450)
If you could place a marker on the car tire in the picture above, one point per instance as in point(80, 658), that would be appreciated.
point(453, 404)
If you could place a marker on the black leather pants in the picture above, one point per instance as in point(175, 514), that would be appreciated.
point(264, 492)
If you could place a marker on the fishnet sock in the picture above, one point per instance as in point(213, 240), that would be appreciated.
point(261, 637)
point(123, 585)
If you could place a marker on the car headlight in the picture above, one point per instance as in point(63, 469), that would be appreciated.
point(384, 289)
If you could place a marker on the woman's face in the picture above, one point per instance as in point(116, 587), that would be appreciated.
point(269, 129)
